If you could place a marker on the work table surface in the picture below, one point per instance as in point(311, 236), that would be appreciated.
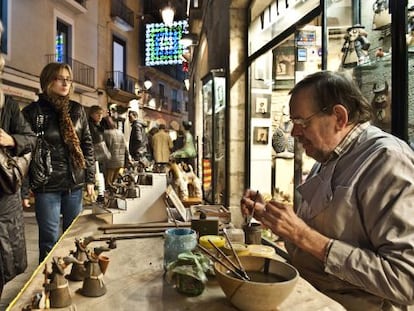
point(135, 280)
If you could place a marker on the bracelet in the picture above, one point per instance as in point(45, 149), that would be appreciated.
point(328, 248)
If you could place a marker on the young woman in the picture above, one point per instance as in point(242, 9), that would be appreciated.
point(65, 127)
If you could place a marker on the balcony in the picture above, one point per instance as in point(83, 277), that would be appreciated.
point(122, 16)
point(121, 87)
point(82, 73)
point(76, 6)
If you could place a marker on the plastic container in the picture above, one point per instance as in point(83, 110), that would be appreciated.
point(217, 240)
point(178, 240)
point(235, 235)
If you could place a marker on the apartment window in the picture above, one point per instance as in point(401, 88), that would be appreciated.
point(119, 61)
point(63, 41)
point(175, 103)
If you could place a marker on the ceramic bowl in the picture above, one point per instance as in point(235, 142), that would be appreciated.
point(272, 281)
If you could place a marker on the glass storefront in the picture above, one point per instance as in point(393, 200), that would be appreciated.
point(340, 40)
point(214, 147)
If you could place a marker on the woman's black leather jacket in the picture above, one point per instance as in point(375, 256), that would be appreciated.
point(64, 176)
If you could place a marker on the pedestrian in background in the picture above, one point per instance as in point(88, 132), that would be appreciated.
point(115, 140)
point(66, 130)
point(162, 145)
point(18, 138)
point(138, 140)
point(102, 153)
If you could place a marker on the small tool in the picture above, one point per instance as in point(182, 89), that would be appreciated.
point(240, 269)
point(250, 218)
point(223, 263)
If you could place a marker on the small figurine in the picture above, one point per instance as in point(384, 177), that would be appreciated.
point(356, 46)
point(78, 271)
point(93, 284)
point(381, 103)
point(57, 289)
point(382, 16)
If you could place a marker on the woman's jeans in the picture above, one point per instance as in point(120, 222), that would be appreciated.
point(49, 206)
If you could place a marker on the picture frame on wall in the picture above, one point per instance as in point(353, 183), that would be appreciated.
point(260, 135)
point(261, 105)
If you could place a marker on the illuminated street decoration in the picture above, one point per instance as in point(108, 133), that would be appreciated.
point(162, 43)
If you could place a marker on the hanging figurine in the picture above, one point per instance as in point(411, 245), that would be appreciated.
point(382, 16)
point(356, 46)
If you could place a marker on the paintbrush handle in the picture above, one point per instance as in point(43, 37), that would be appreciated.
point(224, 264)
point(239, 270)
point(233, 251)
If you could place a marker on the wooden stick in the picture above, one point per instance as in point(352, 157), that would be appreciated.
point(134, 230)
point(128, 237)
point(145, 225)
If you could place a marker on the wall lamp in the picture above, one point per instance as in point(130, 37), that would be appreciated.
point(147, 85)
point(167, 14)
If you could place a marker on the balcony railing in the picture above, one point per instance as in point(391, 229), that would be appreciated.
point(82, 73)
point(122, 14)
point(81, 2)
point(120, 80)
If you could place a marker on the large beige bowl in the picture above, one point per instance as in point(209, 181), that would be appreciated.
point(257, 296)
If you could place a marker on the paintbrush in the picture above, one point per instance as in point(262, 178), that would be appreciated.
point(223, 263)
point(254, 204)
point(241, 269)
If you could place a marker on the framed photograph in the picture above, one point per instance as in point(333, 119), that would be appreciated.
point(261, 105)
point(260, 135)
point(284, 60)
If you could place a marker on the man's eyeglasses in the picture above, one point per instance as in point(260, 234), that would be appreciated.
point(64, 80)
point(304, 122)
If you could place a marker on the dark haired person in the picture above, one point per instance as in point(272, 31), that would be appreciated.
point(138, 140)
point(352, 237)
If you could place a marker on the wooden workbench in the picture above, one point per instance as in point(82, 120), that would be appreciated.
point(135, 280)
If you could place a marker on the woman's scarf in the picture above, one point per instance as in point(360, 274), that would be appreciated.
point(70, 138)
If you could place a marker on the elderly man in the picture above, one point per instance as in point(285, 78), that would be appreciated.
point(353, 235)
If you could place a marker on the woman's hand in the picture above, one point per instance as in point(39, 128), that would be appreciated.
point(90, 190)
point(6, 140)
